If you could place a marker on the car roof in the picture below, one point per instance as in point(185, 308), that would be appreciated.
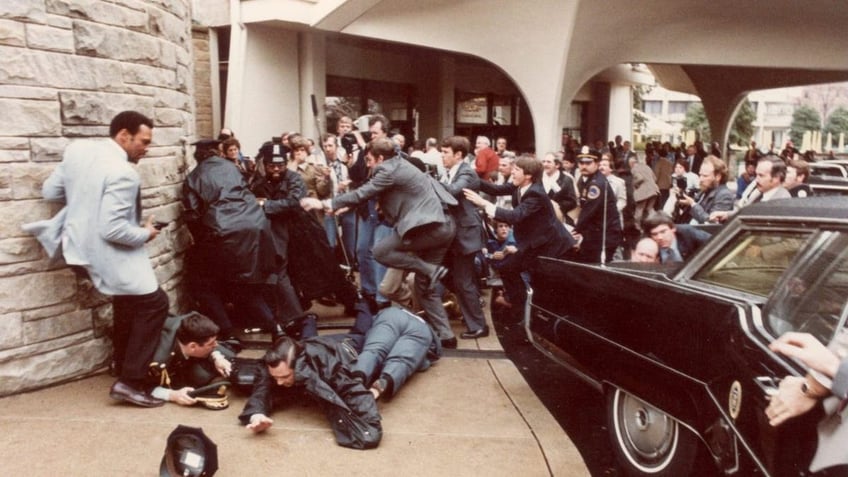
point(829, 207)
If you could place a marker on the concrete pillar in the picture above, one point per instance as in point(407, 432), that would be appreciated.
point(263, 93)
point(215, 82)
point(620, 112)
point(598, 114)
point(312, 60)
point(236, 68)
point(447, 88)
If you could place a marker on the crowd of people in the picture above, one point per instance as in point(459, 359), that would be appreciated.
point(273, 232)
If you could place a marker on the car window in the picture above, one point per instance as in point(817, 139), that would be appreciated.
point(827, 171)
point(813, 297)
point(753, 261)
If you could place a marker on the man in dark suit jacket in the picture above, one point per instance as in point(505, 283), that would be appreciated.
point(535, 226)
point(413, 204)
point(469, 235)
point(676, 242)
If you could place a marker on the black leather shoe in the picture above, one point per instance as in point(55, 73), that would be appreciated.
point(473, 335)
point(124, 392)
point(449, 343)
point(436, 276)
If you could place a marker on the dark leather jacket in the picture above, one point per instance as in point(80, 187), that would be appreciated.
point(321, 369)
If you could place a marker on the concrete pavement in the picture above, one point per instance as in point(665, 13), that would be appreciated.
point(470, 414)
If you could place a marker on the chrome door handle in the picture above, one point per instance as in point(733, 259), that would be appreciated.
point(767, 384)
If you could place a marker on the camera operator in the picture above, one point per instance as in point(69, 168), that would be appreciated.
point(714, 194)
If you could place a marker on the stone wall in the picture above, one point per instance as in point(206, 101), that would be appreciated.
point(66, 68)
point(202, 83)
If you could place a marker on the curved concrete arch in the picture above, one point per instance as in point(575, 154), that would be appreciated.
point(551, 48)
point(508, 34)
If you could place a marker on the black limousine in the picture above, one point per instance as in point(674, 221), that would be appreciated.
point(680, 352)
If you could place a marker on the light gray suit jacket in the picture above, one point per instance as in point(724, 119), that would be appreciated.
point(833, 429)
point(100, 222)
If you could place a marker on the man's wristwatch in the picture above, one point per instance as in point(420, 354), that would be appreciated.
point(808, 391)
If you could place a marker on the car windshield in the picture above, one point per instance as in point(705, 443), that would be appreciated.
point(753, 261)
point(812, 298)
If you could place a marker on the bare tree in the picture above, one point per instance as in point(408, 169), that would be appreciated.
point(824, 98)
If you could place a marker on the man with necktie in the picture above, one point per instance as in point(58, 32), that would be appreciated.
point(535, 226)
point(676, 242)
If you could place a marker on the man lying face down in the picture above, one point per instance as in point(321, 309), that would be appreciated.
point(346, 374)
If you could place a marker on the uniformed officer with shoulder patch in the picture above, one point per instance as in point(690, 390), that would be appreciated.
point(598, 228)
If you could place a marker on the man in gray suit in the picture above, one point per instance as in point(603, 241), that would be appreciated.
point(469, 235)
point(101, 233)
point(413, 203)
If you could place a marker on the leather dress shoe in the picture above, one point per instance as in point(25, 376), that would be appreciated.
point(472, 335)
point(449, 343)
point(436, 276)
point(124, 392)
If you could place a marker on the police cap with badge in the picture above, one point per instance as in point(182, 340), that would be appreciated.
point(274, 153)
point(586, 156)
point(189, 452)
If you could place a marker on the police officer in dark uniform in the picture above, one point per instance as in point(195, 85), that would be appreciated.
point(598, 228)
point(189, 357)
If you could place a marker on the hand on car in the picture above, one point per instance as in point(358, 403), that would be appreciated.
point(790, 401)
point(719, 216)
point(809, 350)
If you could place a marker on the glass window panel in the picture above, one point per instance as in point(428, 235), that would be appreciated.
point(338, 106)
point(652, 107)
point(813, 299)
point(502, 110)
point(471, 109)
point(678, 107)
point(753, 262)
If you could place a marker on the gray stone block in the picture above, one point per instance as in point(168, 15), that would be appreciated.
point(42, 289)
point(32, 118)
point(23, 10)
point(44, 37)
point(55, 366)
point(24, 249)
point(12, 33)
point(11, 330)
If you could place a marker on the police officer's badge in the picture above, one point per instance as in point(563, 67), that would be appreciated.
point(594, 192)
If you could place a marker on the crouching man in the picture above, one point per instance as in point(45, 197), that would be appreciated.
point(189, 366)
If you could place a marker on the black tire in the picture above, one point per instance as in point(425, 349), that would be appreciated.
point(646, 441)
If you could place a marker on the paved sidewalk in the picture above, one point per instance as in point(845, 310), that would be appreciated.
point(471, 414)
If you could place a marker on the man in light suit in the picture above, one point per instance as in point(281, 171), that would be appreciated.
point(469, 235)
point(413, 203)
point(101, 233)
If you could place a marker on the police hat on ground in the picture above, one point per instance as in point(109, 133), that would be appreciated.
point(189, 452)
